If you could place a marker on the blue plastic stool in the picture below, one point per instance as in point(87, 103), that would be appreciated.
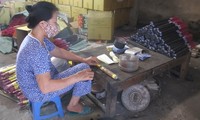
point(36, 106)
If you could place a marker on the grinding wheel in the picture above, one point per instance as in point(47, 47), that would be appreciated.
point(136, 98)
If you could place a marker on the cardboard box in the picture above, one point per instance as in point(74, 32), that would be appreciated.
point(103, 5)
point(21, 32)
point(64, 2)
point(100, 25)
point(54, 2)
point(67, 2)
point(76, 11)
point(65, 9)
point(71, 2)
point(4, 15)
point(78, 3)
point(14, 7)
point(19, 6)
point(60, 2)
point(89, 4)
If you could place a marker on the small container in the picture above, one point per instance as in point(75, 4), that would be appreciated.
point(128, 62)
point(119, 43)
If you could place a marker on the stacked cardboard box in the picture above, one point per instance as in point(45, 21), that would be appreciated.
point(9, 9)
point(100, 25)
point(5, 15)
point(103, 5)
point(53, 1)
point(114, 13)
point(78, 3)
point(74, 8)
point(71, 2)
point(88, 4)
point(65, 9)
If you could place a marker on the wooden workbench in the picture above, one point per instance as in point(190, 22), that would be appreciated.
point(157, 64)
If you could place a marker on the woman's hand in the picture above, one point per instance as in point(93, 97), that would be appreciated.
point(91, 61)
point(83, 75)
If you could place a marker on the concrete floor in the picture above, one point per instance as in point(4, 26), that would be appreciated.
point(179, 100)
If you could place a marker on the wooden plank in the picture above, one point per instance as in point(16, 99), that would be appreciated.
point(156, 60)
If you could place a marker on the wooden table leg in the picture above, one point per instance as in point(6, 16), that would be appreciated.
point(111, 101)
point(184, 68)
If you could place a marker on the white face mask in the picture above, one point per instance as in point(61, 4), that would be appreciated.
point(51, 30)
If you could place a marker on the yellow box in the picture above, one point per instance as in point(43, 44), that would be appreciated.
point(89, 4)
point(103, 5)
point(19, 6)
point(63, 2)
point(66, 2)
point(5, 15)
point(78, 3)
point(76, 11)
point(60, 2)
point(14, 7)
point(65, 9)
point(54, 2)
point(100, 25)
point(71, 2)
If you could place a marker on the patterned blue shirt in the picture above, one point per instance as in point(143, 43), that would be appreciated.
point(33, 58)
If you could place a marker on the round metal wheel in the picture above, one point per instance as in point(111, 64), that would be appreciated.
point(136, 98)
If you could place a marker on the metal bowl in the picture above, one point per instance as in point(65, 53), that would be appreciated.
point(128, 62)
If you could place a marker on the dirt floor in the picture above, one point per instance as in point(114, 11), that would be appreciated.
point(178, 100)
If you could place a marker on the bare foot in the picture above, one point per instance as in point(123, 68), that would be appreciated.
point(75, 108)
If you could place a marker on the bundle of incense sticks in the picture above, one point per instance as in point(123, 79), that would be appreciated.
point(108, 72)
point(9, 85)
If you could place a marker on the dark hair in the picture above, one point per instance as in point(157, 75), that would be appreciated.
point(39, 12)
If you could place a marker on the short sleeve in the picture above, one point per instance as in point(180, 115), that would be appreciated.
point(50, 46)
point(40, 62)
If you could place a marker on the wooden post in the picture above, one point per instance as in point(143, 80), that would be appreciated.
point(111, 101)
point(185, 67)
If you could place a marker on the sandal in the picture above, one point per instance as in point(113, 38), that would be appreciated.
point(86, 110)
